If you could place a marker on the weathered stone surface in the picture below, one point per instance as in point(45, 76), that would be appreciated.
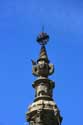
point(43, 111)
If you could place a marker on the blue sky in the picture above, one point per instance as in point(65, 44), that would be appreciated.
point(20, 23)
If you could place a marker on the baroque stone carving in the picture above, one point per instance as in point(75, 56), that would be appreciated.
point(43, 111)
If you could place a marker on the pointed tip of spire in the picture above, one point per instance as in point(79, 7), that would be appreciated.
point(43, 54)
point(42, 39)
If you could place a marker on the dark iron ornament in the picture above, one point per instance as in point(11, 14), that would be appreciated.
point(43, 38)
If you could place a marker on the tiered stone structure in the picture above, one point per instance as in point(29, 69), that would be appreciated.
point(43, 111)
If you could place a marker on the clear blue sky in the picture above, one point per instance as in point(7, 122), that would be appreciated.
point(20, 23)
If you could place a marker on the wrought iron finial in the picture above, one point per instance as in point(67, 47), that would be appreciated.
point(43, 38)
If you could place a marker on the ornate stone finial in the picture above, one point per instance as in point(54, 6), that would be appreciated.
point(42, 68)
point(43, 111)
